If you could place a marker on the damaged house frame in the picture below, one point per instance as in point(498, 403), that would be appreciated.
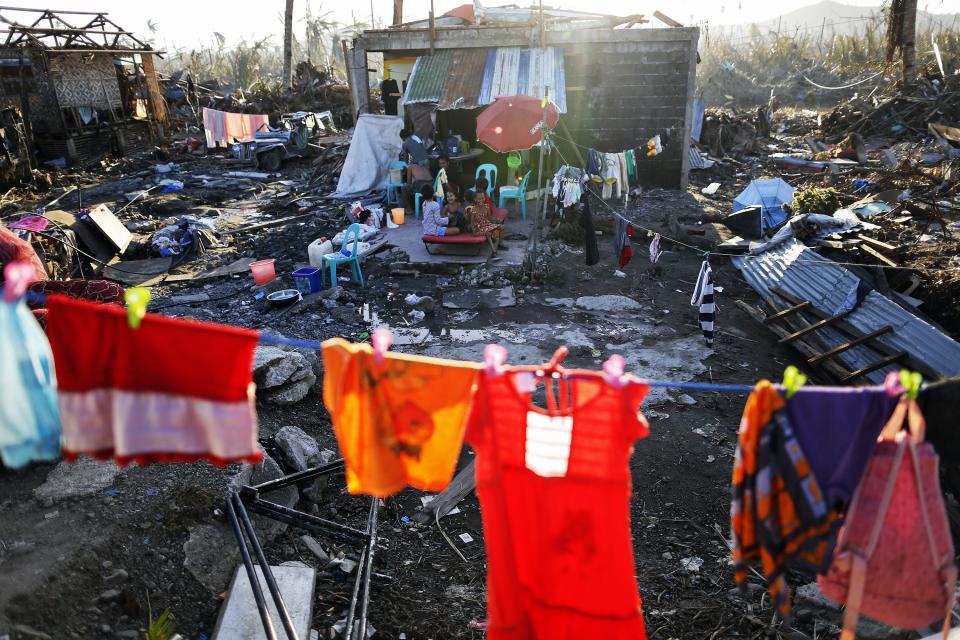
point(616, 83)
point(85, 87)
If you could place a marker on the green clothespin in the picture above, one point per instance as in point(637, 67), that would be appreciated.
point(363, 336)
point(911, 381)
point(792, 380)
point(137, 300)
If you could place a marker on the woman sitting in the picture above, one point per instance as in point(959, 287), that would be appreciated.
point(433, 223)
point(453, 211)
point(478, 216)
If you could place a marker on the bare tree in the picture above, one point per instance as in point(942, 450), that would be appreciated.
point(902, 36)
point(288, 45)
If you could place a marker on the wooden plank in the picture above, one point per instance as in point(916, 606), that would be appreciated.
point(831, 367)
point(814, 327)
point(876, 244)
point(786, 312)
point(853, 332)
point(850, 345)
point(879, 364)
point(879, 256)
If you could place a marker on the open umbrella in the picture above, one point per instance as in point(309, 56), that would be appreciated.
point(513, 123)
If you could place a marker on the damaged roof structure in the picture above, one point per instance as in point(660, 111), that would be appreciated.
point(617, 84)
point(84, 86)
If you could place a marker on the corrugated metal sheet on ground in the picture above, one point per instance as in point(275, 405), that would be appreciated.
point(427, 78)
point(831, 288)
point(464, 80)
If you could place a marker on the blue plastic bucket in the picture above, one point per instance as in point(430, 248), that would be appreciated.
point(307, 280)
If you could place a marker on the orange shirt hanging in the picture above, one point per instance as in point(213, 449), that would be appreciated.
point(399, 423)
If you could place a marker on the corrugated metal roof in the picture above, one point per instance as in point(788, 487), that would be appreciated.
point(427, 78)
point(462, 88)
point(831, 288)
point(474, 77)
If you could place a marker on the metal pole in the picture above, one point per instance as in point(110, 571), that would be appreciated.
point(267, 573)
point(251, 573)
point(352, 611)
point(372, 24)
point(371, 548)
point(540, 187)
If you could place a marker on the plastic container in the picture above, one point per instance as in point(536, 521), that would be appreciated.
point(396, 176)
point(264, 271)
point(307, 279)
point(397, 215)
point(317, 249)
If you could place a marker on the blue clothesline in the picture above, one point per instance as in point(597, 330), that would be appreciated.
point(314, 345)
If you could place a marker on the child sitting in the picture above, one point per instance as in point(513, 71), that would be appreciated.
point(452, 210)
point(433, 223)
point(479, 217)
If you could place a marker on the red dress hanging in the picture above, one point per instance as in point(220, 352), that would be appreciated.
point(554, 489)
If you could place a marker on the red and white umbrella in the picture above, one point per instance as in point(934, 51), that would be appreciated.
point(514, 123)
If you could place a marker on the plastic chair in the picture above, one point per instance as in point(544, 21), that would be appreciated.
point(336, 259)
point(391, 186)
point(490, 171)
point(417, 197)
point(516, 193)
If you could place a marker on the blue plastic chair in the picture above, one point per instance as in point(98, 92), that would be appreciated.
point(336, 259)
point(516, 193)
point(392, 186)
point(490, 172)
point(417, 197)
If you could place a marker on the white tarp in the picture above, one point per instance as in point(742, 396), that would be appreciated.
point(375, 144)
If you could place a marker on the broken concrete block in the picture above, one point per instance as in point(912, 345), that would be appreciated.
point(240, 618)
point(607, 303)
point(292, 393)
point(284, 376)
point(300, 451)
point(73, 480)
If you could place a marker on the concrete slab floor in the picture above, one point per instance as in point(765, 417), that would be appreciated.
point(511, 252)
point(240, 618)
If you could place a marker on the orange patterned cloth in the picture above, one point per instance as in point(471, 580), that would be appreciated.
point(399, 423)
point(779, 516)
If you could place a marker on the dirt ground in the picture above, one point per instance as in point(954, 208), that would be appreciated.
point(99, 565)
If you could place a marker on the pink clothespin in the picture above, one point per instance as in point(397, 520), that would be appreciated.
point(17, 277)
point(382, 340)
point(892, 386)
point(494, 357)
point(613, 370)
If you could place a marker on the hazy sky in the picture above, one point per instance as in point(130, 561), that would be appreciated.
point(188, 23)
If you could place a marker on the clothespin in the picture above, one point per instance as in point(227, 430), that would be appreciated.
point(137, 300)
point(892, 386)
point(613, 370)
point(494, 357)
point(911, 381)
point(382, 339)
point(792, 381)
point(17, 277)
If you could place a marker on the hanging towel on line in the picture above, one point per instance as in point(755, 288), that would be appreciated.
point(169, 391)
point(222, 127)
point(703, 297)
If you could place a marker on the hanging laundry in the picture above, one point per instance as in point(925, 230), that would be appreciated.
point(591, 250)
point(554, 490)
point(222, 128)
point(895, 556)
point(399, 423)
point(622, 237)
point(837, 428)
point(169, 391)
point(779, 517)
point(611, 176)
point(703, 297)
point(631, 162)
point(655, 252)
point(29, 417)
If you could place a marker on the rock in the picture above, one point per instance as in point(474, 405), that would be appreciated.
point(30, 632)
point(314, 547)
point(284, 376)
point(607, 303)
point(292, 393)
point(190, 298)
point(685, 399)
point(109, 595)
point(314, 491)
point(117, 577)
point(345, 315)
point(73, 480)
point(809, 595)
point(300, 451)
point(132, 634)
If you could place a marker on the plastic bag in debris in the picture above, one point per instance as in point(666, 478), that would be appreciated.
point(166, 168)
point(182, 237)
point(365, 233)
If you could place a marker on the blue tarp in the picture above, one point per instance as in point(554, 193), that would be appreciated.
point(770, 195)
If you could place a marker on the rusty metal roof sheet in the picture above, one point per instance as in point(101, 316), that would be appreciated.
point(427, 78)
point(832, 288)
point(462, 87)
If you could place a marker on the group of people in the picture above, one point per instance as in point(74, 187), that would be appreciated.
point(456, 215)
